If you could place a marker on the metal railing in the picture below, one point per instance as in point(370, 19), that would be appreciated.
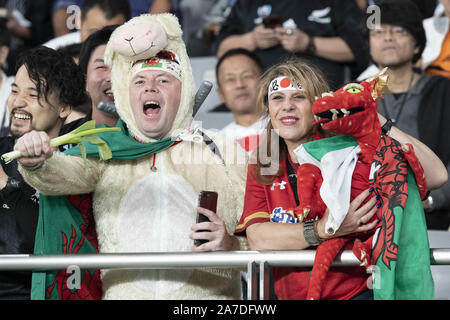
point(257, 263)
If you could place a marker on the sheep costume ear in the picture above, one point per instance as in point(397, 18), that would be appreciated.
point(142, 38)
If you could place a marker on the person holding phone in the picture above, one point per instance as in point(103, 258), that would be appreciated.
point(322, 32)
point(145, 198)
point(210, 232)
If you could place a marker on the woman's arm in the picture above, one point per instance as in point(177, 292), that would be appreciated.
point(435, 172)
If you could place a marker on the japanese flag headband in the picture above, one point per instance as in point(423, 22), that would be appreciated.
point(282, 84)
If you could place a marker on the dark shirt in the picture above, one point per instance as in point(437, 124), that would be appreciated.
point(72, 126)
point(18, 220)
point(423, 113)
point(323, 18)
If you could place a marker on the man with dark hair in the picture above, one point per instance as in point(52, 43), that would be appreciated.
point(63, 8)
point(46, 87)
point(417, 104)
point(95, 14)
point(72, 50)
point(98, 79)
point(154, 97)
point(113, 12)
point(238, 72)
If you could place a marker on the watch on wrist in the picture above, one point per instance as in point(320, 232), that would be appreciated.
point(309, 233)
point(311, 48)
point(387, 127)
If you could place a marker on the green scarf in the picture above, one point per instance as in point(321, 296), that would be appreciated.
point(122, 145)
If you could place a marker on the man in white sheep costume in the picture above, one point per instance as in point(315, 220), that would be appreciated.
point(148, 203)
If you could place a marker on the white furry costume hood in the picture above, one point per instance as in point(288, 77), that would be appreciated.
point(142, 38)
point(148, 204)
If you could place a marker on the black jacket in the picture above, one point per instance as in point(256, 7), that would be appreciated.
point(19, 209)
point(434, 131)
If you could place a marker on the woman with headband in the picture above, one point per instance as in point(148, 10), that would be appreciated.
point(288, 91)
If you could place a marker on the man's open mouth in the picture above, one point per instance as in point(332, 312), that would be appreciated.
point(151, 108)
point(109, 93)
point(334, 114)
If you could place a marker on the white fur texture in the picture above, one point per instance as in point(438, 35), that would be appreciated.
point(121, 75)
point(137, 209)
point(163, 221)
point(139, 40)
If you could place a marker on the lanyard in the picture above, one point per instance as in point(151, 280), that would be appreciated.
point(405, 98)
point(292, 177)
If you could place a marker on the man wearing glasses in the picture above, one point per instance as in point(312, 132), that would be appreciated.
point(417, 104)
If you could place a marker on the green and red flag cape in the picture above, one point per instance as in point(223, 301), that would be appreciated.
point(400, 248)
point(66, 224)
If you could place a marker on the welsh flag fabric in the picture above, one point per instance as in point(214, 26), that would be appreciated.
point(400, 247)
point(400, 254)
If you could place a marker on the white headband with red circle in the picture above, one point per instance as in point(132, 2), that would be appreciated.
point(282, 84)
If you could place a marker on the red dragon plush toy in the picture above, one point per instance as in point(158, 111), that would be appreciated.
point(382, 163)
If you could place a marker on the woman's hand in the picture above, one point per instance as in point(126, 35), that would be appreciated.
point(35, 149)
point(215, 232)
point(357, 218)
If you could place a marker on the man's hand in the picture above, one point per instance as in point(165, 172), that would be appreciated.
point(35, 149)
point(264, 37)
point(216, 234)
point(15, 28)
point(3, 178)
point(292, 40)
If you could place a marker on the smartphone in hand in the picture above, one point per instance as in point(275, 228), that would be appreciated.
point(272, 21)
point(207, 200)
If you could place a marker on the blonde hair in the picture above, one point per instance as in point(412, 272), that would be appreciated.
point(297, 71)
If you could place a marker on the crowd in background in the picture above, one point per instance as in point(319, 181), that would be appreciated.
point(249, 37)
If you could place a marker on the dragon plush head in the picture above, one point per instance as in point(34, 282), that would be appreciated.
point(352, 110)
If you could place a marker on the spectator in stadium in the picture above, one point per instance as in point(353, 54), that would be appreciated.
point(29, 23)
point(153, 174)
point(289, 108)
point(5, 81)
point(46, 87)
point(98, 79)
point(63, 11)
point(202, 21)
point(436, 56)
point(73, 50)
point(418, 104)
point(95, 14)
point(321, 32)
point(238, 72)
